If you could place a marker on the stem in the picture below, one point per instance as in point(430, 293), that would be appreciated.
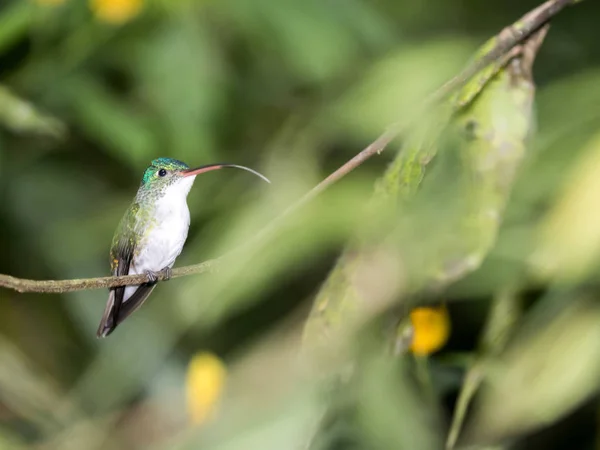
point(504, 313)
point(424, 377)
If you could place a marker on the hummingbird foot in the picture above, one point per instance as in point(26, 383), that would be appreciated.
point(168, 273)
point(152, 276)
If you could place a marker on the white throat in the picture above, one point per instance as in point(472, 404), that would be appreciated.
point(172, 205)
point(180, 188)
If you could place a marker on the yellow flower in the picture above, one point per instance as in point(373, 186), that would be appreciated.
point(116, 11)
point(204, 385)
point(431, 328)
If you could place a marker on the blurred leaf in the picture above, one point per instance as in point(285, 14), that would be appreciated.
point(183, 78)
point(390, 411)
point(7, 441)
point(30, 393)
point(558, 100)
point(394, 87)
point(569, 237)
point(281, 429)
point(14, 22)
point(22, 117)
point(560, 138)
point(316, 40)
point(106, 118)
point(550, 368)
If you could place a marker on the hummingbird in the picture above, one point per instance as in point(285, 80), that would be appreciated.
point(151, 234)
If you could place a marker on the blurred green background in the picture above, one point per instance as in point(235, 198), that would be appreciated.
point(91, 92)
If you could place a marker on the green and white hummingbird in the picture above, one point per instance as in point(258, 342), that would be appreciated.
point(151, 234)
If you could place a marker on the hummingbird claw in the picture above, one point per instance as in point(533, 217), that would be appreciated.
point(152, 276)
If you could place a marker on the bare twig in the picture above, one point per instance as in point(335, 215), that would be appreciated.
point(505, 41)
point(81, 284)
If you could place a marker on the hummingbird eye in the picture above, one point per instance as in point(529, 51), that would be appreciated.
point(162, 172)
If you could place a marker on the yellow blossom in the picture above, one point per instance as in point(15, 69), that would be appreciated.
point(204, 385)
point(431, 328)
point(116, 11)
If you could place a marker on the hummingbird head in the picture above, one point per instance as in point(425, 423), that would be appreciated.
point(171, 174)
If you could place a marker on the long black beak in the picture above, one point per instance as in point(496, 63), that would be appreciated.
point(209, 167)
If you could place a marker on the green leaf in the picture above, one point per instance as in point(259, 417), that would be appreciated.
point(550, 368)
point(394, 87)
point(14, 22)
point(22, 117)
point(107, 119)
point(183, 78)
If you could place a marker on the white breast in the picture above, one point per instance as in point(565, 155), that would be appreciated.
point(167, 234)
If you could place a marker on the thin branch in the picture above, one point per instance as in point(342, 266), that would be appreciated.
point(505, 41)
point(81, 284)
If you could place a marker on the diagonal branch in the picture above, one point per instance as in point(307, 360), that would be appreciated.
point(504, 42)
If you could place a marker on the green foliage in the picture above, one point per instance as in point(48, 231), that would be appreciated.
point(294, 88)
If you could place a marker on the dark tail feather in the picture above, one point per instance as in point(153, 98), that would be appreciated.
point(109, 322)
